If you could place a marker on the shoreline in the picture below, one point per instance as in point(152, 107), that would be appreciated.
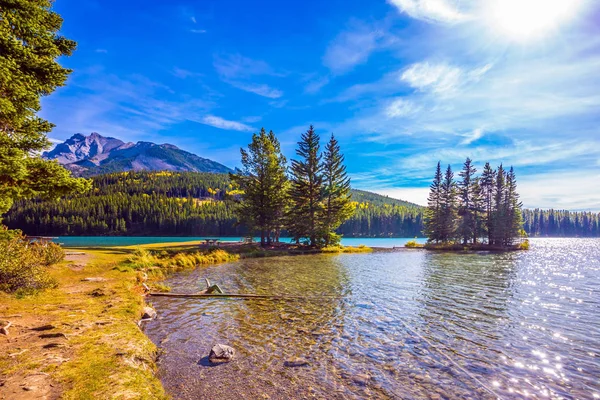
point(84, 339)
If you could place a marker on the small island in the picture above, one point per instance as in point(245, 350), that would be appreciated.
point(476, 213)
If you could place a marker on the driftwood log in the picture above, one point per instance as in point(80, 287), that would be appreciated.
point(239, 296)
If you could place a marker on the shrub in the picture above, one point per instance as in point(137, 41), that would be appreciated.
point(142, 259)
point(412, 244)
point(524, 245)
point(49, 253)
point(23, 266)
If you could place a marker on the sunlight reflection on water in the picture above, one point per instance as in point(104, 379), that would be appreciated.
point(522, 324)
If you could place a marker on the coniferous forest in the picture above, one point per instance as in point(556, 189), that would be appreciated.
point(199, 204)
point(184, 204)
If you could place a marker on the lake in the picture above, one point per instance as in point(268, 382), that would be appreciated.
point(108, 241)
point(404, 324)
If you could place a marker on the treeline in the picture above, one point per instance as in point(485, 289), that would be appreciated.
point(198, 204)
point(474, 209)
point(561, 223)
point(184, 204)
point(135, 203)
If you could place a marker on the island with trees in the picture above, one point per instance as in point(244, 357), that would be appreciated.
point(310, 203)
point(477, 212)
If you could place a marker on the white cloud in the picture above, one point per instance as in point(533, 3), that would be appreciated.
point(221, 123)
point(184, 73)
point(259, 89)
point(438, 78)
point(410, 194)
point(400, 108)
point(198, 30)
point(193, 19)
point(241, 72)
point(561, 190)
point(316, 85)
point(472, 136)
point(444, 11)
point(236, 66)
point(351, 48)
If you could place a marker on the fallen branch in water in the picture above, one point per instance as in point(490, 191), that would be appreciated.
point(241, 296)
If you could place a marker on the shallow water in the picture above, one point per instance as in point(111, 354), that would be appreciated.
point(109, 241)
point(406, 324)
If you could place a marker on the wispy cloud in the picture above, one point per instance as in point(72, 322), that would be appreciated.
point(184, 73)
point(104, 51)
point(193, 19)
point(473, 136)
point(352, 47)
point(241, 72)
point(221, 123)
point(400, 108)
point(443, 11)
point(315, 84)
point(259, 89)
point(198, 30)
point(440, 78)
point(131, 108)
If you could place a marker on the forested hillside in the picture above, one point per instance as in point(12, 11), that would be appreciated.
point(198, 204)
point(561, 223)
point(194, 204)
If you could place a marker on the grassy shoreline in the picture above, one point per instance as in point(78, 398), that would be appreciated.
point(93, 346)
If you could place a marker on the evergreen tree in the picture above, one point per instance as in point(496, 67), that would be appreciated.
point(29, 47)
point(467, 191)
point(514, 218)
point(306, 214)
point(448, 207)
point(337, 202)
point(499, 209)
point(478, 208)
point(263, 183)
point(433, 213)
point(487, 184)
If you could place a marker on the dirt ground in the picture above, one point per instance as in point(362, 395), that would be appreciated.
point(44, 341)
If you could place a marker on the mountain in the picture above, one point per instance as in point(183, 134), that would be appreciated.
point(96, 154)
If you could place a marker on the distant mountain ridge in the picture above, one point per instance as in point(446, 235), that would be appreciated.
point(96, 154)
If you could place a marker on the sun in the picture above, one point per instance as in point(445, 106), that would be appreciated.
point(525, 20)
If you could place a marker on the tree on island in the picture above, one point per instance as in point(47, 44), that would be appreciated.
point(485, 205)
point(310, 205)
point(263, 183)
point(29, 47)
point(467, 194)
point(448, 224)
point(433, 213)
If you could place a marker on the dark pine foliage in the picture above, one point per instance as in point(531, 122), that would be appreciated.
point(185, 204)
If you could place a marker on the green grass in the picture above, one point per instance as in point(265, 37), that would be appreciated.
point(347, 249)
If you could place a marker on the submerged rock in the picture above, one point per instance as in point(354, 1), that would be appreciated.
point(296, 362)
point(361, 379)
point(221, 353)
point(149, 313)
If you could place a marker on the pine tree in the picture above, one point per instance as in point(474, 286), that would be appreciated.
point(433, 214)
point(466, 193)
point(448, 207)
point(487, 184)
point(29, 47)
point(514, 218)
point(478, 208)
point(306, 215)
point(263, 182)
point(499, 208)
point(337, 202)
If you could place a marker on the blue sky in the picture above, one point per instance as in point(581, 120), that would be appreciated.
point(401, 83)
